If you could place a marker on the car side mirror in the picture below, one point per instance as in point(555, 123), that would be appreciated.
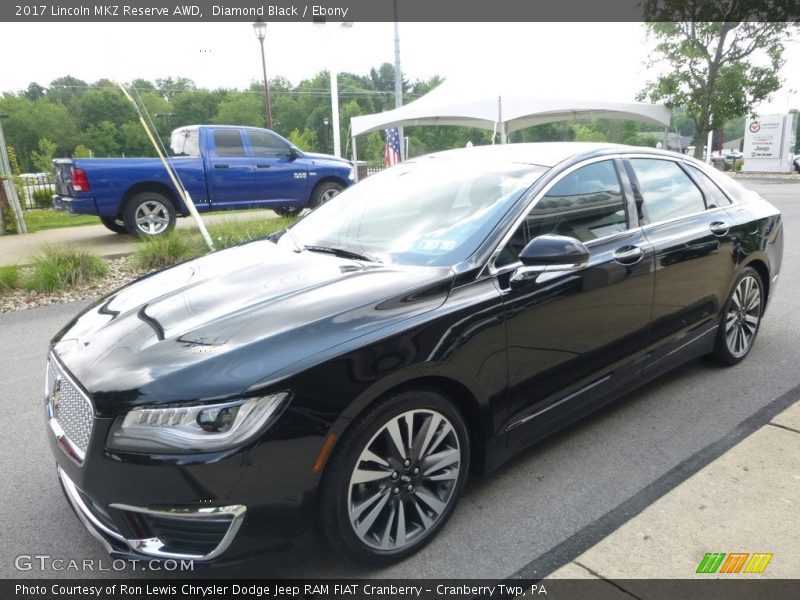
point(292, 154)
point(550, 253)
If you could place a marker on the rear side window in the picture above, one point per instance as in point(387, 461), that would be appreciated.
point(667, 190)
point(228, 142)
point(265, 145)
point(716, 197)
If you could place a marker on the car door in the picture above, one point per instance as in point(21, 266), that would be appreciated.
point(278, 175)
point(574, 335)
point(229, 170)
point(694, 240)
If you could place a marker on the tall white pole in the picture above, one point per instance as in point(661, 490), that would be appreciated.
point(398, 80)
point(8, 185)
point(337, 138)
point(709, 142)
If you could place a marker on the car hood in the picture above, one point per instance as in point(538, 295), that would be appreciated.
point(327, 158)
point(212, 327)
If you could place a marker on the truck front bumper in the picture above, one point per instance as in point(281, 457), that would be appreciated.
point(75, 206)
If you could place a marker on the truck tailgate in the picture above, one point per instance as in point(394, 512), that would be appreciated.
point(64, 177)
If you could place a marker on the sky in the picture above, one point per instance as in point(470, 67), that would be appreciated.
point(596, 59)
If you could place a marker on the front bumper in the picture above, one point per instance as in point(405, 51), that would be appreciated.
point(209, 544)
point(75, 206)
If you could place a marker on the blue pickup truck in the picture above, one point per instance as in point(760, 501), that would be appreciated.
point(222, 168)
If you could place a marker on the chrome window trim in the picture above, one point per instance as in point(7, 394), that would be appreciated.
point(532, 203)
point(493, 271)
point(57, 430)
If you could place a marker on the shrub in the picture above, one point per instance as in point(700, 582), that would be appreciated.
point(9, 278)
point(43, 198)
point(230, 233)
point(57, 268)
point(165, 250)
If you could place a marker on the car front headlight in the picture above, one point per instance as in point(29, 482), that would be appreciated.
point(192, 428)
point(351, 175)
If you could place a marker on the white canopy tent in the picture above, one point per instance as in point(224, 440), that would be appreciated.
point(503, 109)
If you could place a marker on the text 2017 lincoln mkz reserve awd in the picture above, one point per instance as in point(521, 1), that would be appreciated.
point(434, 319)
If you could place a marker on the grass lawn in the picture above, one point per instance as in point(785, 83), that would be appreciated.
point(37, 220)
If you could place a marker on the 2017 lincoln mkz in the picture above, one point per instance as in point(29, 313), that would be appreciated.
point(434, 319)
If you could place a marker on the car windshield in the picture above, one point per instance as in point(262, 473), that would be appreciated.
point(432, 211)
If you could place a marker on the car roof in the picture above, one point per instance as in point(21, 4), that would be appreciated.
point(546, 154)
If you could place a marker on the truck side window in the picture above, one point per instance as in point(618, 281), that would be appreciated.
point(228, 142)
point(265, 145)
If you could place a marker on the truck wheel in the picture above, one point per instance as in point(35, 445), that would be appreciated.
point(148, 214)
point(114, 224)
point(324, 192)
point(287, 211)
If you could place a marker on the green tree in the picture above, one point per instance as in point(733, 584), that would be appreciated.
point(241, 109)
point(104, 104)
point(66, 89)
point(103, 139)
point(196, 107)
point(42, 158)
point(81, 151)
point(715, 68)
point(29, 122)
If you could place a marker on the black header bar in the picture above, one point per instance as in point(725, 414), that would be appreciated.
point(150, 11)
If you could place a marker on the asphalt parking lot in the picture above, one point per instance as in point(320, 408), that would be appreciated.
point(540, 511)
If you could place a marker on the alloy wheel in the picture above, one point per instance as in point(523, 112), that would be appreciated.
point(404, 479)
point(152, 217)
point(744, 314)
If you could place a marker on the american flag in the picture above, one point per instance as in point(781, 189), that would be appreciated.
point(392, 152)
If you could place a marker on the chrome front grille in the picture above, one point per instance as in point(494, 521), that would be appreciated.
point(69, 411)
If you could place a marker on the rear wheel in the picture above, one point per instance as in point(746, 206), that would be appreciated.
point(115, 224)
point(287, 211)
point(148, 214)
point(324, 192)
point(741, 319)
point(395, 477)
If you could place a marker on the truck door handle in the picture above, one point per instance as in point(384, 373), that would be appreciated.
point(263, 166)
point(718, 228)
point(628, 255)
point(221, 166)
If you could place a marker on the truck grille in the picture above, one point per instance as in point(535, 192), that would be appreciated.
point(69, 410)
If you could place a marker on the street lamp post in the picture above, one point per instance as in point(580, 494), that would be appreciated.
point(260, 29)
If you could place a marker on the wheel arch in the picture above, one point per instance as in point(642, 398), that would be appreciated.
point(762, 269)
point(464, 399)
point(149, 186)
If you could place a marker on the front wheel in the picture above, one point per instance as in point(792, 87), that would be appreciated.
point(395, 478)
point(114, 224)
point(148, 214)
point(324, 192)
point(740, 320)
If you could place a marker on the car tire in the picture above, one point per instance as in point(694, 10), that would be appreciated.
point(740, 319)
point(114, 224)
point(148, 214)
point(287, 211)
point(380, 502)
point(324, 192)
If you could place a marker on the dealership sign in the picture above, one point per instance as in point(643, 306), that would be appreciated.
point(768, 141)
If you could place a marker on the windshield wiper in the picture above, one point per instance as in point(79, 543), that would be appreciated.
point(342, 252)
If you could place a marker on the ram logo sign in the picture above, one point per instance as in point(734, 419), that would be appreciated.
point(735, 562)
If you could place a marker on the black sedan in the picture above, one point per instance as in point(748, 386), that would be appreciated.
point(348, 373)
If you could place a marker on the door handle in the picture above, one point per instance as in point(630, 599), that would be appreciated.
point(221, 166)
point(628, 255)
point(263, 166)
point(718, 228)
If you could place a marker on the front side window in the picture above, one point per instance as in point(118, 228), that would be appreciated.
point(667, 190)
point(586, 205)
point(228, 142)
point(266, 145)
